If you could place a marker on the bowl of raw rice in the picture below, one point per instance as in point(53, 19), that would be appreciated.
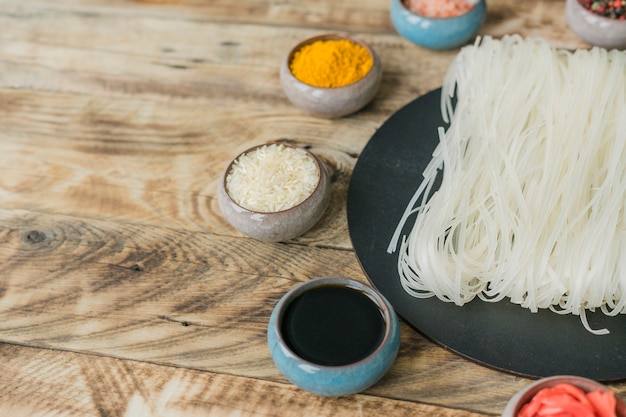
point(274, 192)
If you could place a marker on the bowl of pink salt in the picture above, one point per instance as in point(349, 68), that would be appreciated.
point(438, 24)
point(274, 192)
point(331, 75)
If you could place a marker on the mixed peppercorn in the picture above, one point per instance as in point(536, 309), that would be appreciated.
point(614, 9)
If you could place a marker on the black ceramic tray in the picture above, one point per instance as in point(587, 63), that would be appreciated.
point(500, 335)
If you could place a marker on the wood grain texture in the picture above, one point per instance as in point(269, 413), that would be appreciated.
point(68, 384)
point(123, 291)
point(189, 299)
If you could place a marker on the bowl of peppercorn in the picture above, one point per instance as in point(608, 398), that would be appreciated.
point(438, 24)
point(598, 22)
point(331, 75)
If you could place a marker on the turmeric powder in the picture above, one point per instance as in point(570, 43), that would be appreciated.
point(331, 63)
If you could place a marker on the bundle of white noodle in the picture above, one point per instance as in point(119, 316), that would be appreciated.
point(532, 202)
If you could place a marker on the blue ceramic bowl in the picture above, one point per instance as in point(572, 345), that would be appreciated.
point(333, 380)
point(437, 33)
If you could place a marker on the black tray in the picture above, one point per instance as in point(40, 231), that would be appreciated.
point(499, 335)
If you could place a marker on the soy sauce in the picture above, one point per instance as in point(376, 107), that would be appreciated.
point(333, 325)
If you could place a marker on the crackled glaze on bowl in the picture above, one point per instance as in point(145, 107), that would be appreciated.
point(331, 102)
point(437, 33)
point(527, 393)
point(595, 29)
point(334, 380)
point(282, 225)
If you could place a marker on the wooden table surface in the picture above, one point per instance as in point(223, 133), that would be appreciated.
point(123, 291)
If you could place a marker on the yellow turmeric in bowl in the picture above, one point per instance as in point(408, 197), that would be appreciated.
point(331, 63)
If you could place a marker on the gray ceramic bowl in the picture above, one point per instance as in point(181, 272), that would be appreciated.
point(347, 378)
point(281, 225)
point(331, 102)
point(437, 33)
point(524, 395)
point(595, 29)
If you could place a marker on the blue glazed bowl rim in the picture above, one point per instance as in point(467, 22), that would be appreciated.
point(369, 291)
point(442, 19)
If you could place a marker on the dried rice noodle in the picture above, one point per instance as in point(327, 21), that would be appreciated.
point(532, 201)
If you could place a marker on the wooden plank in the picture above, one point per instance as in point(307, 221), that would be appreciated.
point(117, 118)
point(193, 300)
point(160, 61)
point(188, 58)
point(363, 15)
point(170, 297)
point(151, 184)
point(124, 132)
point(528, 18)
point(38, 382)
point(184, 298)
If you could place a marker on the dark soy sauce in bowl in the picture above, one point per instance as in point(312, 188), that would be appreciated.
point(333, 336)
point(333, 325)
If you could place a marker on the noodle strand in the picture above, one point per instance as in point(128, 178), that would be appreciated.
point(532, 201)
